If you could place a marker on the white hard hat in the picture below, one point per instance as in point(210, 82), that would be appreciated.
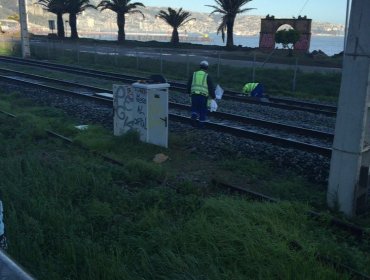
point(204, 63)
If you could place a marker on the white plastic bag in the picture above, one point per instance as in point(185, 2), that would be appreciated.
point(213, 106)
point(219, 92)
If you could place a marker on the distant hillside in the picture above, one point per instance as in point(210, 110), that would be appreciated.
point(95, 21)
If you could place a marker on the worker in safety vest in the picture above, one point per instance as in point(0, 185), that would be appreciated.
point(200, 87)
point(253, 89)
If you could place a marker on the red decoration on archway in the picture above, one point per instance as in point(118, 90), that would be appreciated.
point(270, 25)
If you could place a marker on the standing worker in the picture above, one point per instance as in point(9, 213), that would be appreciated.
point(200, 87)
point(253, 89)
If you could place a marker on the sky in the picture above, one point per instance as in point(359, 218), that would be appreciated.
point(318, 10)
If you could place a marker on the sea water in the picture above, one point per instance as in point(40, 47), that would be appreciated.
point(328, 44)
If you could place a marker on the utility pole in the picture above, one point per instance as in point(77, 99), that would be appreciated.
point(349, 168)
point(24, 28)
point(346, 26)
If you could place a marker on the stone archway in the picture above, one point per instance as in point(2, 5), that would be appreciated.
point(270, 25)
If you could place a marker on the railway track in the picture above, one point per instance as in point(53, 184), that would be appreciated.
point(86, 89)
point(239, 126)
point(281, 103)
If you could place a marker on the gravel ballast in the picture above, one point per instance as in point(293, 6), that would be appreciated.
point(212, 145)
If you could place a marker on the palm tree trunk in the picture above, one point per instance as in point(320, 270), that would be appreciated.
point(121, 27)
point(60, 25)
point(230, 32)
point(175, 36)
point(73, 25)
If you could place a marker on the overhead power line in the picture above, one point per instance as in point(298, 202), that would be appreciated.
point(304, 5)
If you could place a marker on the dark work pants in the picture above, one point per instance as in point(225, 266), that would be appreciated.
point(198, 107)
point(258, 91)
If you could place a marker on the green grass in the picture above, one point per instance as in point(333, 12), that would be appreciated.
point(10, 48)
point(70, 215)
point(264, 178)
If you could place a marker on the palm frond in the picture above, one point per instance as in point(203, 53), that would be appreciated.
point(222, 28)
point(119, 6)
point(245, 10)
point(78, 6)
point(186, 21)
point(229, 9)
point(216, 10)
point(136, 12)
point(53, 6)
point(175, 18)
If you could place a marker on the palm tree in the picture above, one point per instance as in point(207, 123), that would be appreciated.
point(56, 7)
point(74, 8)
point(229, 9)
point(175, 19)
point(121, 8)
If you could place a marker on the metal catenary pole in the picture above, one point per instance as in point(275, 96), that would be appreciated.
point(349, 168)
point(24, 29)
point(161, 61)
point(137, 59)
point(187, 64)
point(295, 76)
point(346, 25)
point(218, 65)
point(254, 68)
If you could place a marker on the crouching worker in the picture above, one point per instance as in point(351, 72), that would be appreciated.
point(253, 90)
point(200, 87)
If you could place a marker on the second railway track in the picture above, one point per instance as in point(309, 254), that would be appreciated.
point(272, 132)
point(282, 103)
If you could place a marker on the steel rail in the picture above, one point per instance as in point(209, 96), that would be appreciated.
point(275, 102)
point(287, 143)
point(37, 85)
point(266, 124)
point(224, 116)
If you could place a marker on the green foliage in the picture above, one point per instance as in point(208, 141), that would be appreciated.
point(95, 138)
point(69, 215)
point(57, 7)
point(77, 6)
point(143, 173)
point(228, 10)
point(121, 8)
point(282, 184)
point(175, 19)
point(10, 48)
point(74, 8)
point(53, 6)
point(287, 37)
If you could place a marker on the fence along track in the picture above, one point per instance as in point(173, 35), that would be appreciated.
point(280, 103)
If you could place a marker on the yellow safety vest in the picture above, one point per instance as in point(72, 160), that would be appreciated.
point(199, 84)
point(249, 87)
